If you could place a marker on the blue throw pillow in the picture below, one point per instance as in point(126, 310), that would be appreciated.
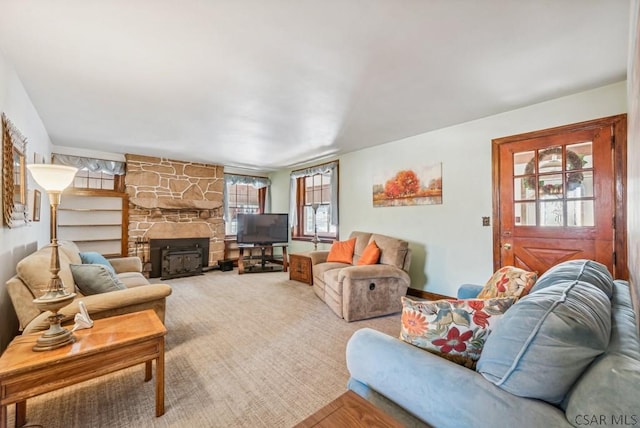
point(94, 258)
point(547, 339)
point(95, 279)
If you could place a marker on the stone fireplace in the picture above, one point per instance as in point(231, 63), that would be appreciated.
point(171, 199)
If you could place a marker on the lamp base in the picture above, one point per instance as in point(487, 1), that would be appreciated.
point(55, 299)
point(55, 337)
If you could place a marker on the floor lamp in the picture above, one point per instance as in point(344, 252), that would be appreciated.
point(53, 179)
point(315, 239)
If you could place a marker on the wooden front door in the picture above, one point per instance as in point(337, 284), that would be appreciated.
point(559, 195)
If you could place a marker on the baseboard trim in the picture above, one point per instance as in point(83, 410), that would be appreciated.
point(427, 295)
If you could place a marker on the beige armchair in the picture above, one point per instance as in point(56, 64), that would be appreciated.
point(33, 274)
point(359, 292)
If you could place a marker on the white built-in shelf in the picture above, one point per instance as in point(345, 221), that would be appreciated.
point(97, 240)
point(89, 225)
point(89, 209)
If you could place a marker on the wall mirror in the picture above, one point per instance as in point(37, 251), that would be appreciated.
point(14, 175)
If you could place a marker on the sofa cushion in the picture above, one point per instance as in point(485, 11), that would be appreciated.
point(453, 329)
point(320, 269)
point(71, 250)
point(589, 271)
point(332, 282)
point(34, 271)
point(508, 281)
point(95, 279)
point(342, 251)
point(615, 375)
point(95, 258)
point(370, 255)
point(547, 339)
point(132, 279)
point(362, 240)
point(393, 251)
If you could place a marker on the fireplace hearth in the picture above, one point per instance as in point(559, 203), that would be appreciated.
point(178, 257)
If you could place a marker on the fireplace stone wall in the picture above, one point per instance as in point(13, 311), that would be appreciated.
point(174, 199)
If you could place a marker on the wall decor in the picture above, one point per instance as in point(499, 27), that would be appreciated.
point(38, 158)
point(414, 186)
point(14, 178)
point(37, 200)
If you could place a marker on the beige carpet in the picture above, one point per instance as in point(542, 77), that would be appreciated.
point(254, 350)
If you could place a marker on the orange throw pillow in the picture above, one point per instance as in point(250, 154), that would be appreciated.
point(370, 255)
point(342, 251)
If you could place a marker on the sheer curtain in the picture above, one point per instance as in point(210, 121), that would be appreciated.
point(93, 165)
point(257, 182)
point(331, 169)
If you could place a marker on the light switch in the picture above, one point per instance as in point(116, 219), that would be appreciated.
point(486, 221)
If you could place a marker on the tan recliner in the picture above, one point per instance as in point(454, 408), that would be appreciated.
point(33, 274)
point(359, 292)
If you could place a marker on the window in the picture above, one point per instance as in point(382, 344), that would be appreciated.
point(243, 194)
point(314, 196)
point(86, 179)
point(94, 174)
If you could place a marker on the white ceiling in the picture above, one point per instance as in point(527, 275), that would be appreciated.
point(265, 84)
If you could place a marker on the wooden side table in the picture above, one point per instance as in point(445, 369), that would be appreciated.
point(300, 268)
point(112, 344)
point(349, 410)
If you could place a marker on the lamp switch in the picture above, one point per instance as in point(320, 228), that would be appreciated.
point(486, 221)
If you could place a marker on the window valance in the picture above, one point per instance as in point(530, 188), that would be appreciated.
point(325, 168)
point(257, 182)
point(93, 165)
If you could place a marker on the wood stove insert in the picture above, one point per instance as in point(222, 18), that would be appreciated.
point(178, 257)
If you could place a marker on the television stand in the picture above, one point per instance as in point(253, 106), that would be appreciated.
point(266, 259)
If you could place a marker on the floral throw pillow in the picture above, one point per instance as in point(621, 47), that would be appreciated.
point(508, 281)
point(453, 329)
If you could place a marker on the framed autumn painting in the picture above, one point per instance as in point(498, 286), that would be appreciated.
point(412, 186)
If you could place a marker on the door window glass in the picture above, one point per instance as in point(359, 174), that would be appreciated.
point(580, 213)
point(554, 186)
point(550, 186)
point(525, 214)
point(522, 191)
point(521, 162)
point(582, 188)
point(580, 156)
point(551, 213)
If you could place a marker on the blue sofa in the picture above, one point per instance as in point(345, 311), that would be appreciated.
point(589, 375)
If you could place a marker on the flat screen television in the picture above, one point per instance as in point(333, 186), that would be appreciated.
point(263, 228)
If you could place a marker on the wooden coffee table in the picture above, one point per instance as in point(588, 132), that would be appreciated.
point(112, 344)
point(349, 410)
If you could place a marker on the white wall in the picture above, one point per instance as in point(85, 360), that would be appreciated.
point(17, 243)
point(450, 245)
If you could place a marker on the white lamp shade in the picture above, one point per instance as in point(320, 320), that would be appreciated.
point(52, 178)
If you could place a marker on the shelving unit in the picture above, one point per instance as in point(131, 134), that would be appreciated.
point(94, 223)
